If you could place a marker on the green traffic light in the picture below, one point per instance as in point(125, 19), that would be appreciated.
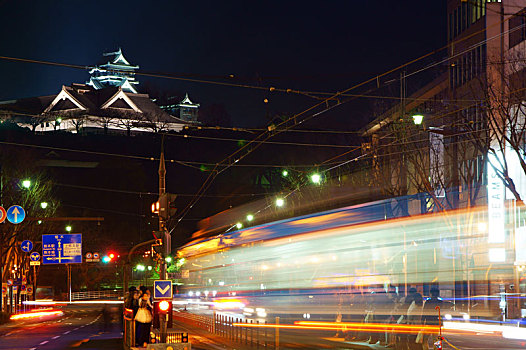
point(106, 259)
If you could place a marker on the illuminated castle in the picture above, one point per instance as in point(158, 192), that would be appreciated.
point(116, 72)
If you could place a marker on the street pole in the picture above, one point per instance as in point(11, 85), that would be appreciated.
point(68, 267)
point(34, 283)
point(163, 211)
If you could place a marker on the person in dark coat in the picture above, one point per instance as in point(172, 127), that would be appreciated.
point(431, 314)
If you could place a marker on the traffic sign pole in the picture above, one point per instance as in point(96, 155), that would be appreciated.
point(34, 283)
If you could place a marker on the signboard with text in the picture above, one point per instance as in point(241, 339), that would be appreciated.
point(62, 249)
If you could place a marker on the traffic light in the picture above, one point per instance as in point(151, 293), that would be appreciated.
point(167, 205)
point(109, 257)
point(162, 309)
point(155, 207)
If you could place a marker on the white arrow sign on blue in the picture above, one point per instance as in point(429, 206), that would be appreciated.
point(162, 289)
point(15, 214)
point(26, 246)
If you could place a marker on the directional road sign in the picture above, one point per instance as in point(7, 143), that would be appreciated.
point(15, 214)
point(162, 289)
point(3, 214)
point(35, 259)
point(27, 246)
point(62, 249)
point(35, 256)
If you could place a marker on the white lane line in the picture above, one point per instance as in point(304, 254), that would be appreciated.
point(67, 332)
point(56, 337)
point(33, 349)
point(44, 342)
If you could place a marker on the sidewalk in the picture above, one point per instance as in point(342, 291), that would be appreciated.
point(200, 336)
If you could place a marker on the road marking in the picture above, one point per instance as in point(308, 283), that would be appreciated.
point(44, 342)
point(56, 337)
point(66, 332)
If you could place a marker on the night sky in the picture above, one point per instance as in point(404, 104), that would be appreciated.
point(305, 45)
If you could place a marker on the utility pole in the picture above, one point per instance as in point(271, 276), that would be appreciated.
point(163, 210)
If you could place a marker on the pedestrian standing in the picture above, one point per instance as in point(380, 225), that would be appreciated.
point(431, 316)
point(414, 318)
point(143, 321)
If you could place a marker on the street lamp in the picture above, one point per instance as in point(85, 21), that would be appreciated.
point(285, 173)
point(168, 259)
point(68, 228)
point(315, 178)
point(280, 202)
point(418, 118)
point(250, 217)
point(43, 205)
point(239, 225)
point(26, 183)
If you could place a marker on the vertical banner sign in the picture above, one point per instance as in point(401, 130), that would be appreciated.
point(496, 212)
point(436, 160)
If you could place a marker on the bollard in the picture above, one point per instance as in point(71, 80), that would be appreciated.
point(246, 332)
point(276, 340)
point(252, 334)
point(265, 328)
point(257, 335)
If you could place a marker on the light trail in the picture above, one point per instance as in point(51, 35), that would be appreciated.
point(36, 314)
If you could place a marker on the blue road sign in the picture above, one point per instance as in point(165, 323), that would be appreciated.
point(162, 289)
point(34, 256)
point(15, 214)
point(27, 246)
point(62, 249)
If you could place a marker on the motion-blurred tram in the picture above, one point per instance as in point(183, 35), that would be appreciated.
point(314, 266)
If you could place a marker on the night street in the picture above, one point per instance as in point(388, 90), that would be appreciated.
point(280, 174)
point(81, 327)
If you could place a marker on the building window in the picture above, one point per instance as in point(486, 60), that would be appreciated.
point(517, 28)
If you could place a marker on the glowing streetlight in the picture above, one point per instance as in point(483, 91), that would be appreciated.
point(280, 202)
point(315, 178)
point(140, 267)
point(168, 259)
point(239, 225)
point(43, 205)
point(418, 118)
point(68, 228)
point(250, 217)
point(26, 183)
point(285, 173)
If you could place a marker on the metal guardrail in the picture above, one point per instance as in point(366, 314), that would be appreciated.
point(223, 326)
point(95, 295)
